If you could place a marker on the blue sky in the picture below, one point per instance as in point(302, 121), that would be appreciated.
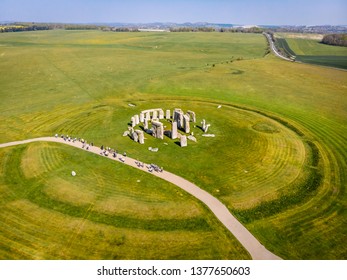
point(291, 12)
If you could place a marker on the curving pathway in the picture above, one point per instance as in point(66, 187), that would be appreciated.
point(252, 245)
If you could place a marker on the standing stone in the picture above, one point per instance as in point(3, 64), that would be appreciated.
point(145, 124)
point(148, 116)
point(203, 124)
point(168, 114)
point(137, 119)
point(155, 114)
point(183, 141)
point(179, 118)
point(142, 117)
point(161, 114)
point(206, 127)
point(192, 116)
point(174, 130)
point(157, 129)
point(176, 114)
point(186, 125)
point(140, 136)
point(135, 136)
point(132, 121)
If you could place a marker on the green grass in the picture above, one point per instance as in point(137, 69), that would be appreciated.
point(314, 47)
point(330, 61)
point(108, 211)
point(313, 52)
point(286, 133)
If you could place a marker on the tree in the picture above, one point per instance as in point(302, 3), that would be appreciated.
point(335, 40)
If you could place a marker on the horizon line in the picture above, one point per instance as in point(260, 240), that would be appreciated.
point(168, 22)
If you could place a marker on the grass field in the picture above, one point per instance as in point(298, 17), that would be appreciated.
point(311, 51)
point(278, 160)
point(107, 211)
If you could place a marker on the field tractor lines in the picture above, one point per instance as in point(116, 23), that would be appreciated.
point(79, 227)
point(321, 210)
point(257, 250)
point(68, 77)
point(20, 228)
point(74, 122)
point(49, 159)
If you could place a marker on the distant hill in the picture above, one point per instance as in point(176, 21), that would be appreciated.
point(12, 26)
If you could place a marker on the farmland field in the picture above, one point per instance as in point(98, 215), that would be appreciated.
point(312, 51)
point(278, 161)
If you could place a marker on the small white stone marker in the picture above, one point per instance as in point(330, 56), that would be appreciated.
point(73, 173)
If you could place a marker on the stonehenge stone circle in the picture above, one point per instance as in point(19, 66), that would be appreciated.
point(180, 121)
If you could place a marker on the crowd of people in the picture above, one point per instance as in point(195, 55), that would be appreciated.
point(107, 151)
point(153, 167)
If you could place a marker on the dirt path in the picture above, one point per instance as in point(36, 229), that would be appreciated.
point(252, 245)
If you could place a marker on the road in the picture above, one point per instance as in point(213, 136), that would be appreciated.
point(274, 49)
point(248, 241)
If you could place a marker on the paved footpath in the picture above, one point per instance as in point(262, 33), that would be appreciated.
point(252, 245)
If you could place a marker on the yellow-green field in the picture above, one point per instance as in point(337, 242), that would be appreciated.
point(278, 160)
point(308, 48)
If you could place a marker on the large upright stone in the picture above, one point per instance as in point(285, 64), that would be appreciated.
point(186, 125)
point(148, 116)
point(141, 136)
point(192, 116)
point(142, 117)
point(181, 121)
point(183, 141)
point(135, 136)
point(176, 114)
point(168, 114)
point(174, 130)
point(137, 119)
point(155, 114)
point(133, 122)
point(161, 114)
point(145, 124)
point(157, 129)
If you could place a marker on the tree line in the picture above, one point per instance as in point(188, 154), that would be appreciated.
point(213, 29)
point(19, 27)
point(335, 40)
